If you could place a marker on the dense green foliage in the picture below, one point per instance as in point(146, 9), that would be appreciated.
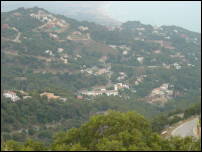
point(32, 117)
point(112, 131)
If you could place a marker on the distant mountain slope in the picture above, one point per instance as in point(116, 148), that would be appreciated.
point(55, 41)
point(57, 71)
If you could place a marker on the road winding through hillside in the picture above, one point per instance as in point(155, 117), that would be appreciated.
point(186, 129)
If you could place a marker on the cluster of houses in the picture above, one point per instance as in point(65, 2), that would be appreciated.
point(120, 86)
point(77, 35)
point(49, 52)
point(96, 71)
point(103, 90)
point(24, 95)
point(51, 22)
point(121, 47)
point(100, 92)
point(161, 94)
point(177, 55)
point(63, 57)
point(13, 95)
point(42, 16)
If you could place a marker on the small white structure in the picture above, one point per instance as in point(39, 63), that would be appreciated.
point(60, 50)
point(175, 31)
point(64, 60)
point(113, 46)
point(49, 52)
point(63, 99)
point(12, 95)
point(120, 86)
point(54, 36)
point(125, 52)
point(140, 59)
point(78, 56)
point(83, 28)
point(177, 66)
point(164, 86)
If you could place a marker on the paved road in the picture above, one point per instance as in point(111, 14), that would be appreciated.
point(185, 129)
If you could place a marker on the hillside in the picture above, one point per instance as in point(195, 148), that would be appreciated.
point(57, 71)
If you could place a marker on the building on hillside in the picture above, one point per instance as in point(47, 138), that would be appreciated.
point(83, 28)
point(101, 92)
point(12, 95)
point(125, 52)
point(120, 86)
point(49, 95)
point(177, 66)
point(140, 59)
point(63, 99)
point(60, 50)
point(54, 36)
point(161, 94)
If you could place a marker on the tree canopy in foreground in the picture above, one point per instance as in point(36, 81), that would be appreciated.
point(111, 131)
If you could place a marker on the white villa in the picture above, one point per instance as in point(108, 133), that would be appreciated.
point(120, 86)
point(101, 92)
point(12, 95)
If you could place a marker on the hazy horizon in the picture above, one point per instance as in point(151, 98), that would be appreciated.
point(186, 14)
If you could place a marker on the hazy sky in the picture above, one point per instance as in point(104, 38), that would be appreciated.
point(186, 14)
point(182, 13)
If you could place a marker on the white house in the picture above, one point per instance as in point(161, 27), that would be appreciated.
point(60, 50)
point(140, 59)
point(95, 93)
point(125, 52)
point(83, 28)
point(12, 95)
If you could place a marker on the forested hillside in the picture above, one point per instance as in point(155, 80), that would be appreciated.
point(57, 72)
